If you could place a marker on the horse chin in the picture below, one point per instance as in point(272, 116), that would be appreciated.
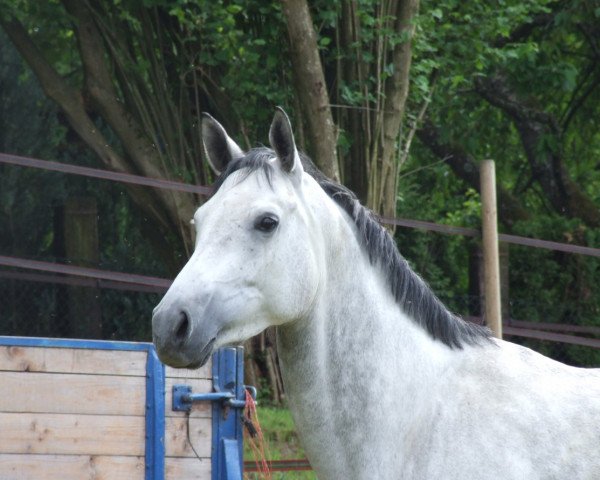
point(204, 355)
point(191, 358)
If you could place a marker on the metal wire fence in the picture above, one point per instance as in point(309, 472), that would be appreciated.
point(71, 310)
point(557, 295)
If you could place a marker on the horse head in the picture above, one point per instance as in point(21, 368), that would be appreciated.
point(254, 261)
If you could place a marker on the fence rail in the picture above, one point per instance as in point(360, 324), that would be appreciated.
point(90, 277)
point(206, 190)
point(126, 278)
point(75, 281)
point(102, 174)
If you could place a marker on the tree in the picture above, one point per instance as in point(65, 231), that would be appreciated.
point(96, 101)
point(372, 44)
point(523, 91)
point(531, 73)
point(145, 75)
point(517, 82)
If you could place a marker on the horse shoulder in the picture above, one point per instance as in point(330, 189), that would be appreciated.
point(524, 413)
point(512, 413)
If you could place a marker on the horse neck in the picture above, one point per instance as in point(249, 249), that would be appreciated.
point(356, 325)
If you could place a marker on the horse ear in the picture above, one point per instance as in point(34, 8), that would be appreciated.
point(219, 148)
point(282, 141)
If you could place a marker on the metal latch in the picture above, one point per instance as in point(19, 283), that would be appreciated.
point(183, 398)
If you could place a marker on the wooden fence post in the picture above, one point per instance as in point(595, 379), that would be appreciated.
point(491, 263)
point(76, 237)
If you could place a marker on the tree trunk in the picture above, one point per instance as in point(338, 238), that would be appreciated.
point(310, 86)
point(383, 178)
point(373, 128)
point(352, 70)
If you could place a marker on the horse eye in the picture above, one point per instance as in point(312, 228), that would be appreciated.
point(266, 223)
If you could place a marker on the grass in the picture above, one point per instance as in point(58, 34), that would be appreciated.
point(281, 442)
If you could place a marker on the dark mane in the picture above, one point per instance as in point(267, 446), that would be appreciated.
point(411, 292)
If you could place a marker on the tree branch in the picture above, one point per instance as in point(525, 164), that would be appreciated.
point(540, 136)
point(71, 102)
point(525, 30)
point(576, 102)
point(141, 151)
point(495, 90)
point(462, 164)
point(68, 98)
point(395, 94)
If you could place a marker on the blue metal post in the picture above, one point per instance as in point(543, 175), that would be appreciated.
point(228, 375)
point(155, 417)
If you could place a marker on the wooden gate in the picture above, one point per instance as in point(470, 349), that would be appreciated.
point(74, 409)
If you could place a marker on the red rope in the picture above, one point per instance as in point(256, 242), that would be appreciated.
point(256, 440)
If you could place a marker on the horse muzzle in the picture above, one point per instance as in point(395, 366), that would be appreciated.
point(179, 341)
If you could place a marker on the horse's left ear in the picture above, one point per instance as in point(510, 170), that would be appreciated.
point(219, 148)
point(282, 141)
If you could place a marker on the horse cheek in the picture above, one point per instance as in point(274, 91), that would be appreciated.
point(304, 283)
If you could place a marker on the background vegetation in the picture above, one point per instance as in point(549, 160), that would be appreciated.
point(399, 100)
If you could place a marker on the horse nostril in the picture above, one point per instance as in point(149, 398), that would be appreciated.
point(183, 328)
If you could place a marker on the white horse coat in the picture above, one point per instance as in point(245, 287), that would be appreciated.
point(382, 381)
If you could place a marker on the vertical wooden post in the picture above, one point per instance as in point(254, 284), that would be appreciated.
point(491, 263)
point(77, 240)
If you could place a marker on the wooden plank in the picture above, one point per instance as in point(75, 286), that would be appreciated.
point(558, 327)
point(202, 372)
point(44, 433)
point(187, 468)
point(72, 360)
point(552, 337)
point(176, 438)
point(33, 392)
point(199, 385)
point(71, 467)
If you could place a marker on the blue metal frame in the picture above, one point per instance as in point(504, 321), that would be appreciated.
point(74, 343)
point(155, 390)
point(155, 417)
point(227, 442)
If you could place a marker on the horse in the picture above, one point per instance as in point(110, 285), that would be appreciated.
point(382, 380)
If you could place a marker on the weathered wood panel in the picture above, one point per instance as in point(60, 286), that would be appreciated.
point(80, 413)
point(72, 467)
point(98, 435)
point(72, 360)
point(187, 468)
point(44, 433)
point(202, 372)
point(176, 437)
point(64, 393)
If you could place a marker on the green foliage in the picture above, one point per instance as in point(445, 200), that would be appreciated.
point(433, 194)
point(31, 125)
point(237, 45)
point(552, 68)
point(552, 286)
point(231, 58)
point(281, 441)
